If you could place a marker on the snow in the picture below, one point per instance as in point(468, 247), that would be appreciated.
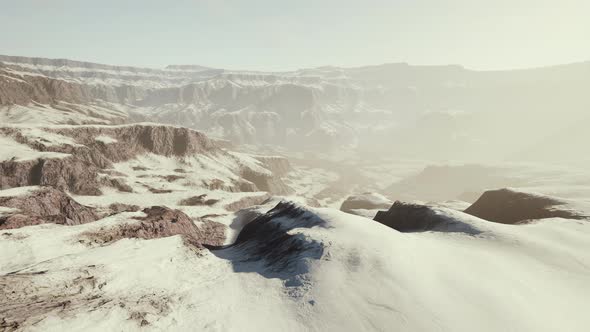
point(46, 137)
point(18, 191)
point(531, 277)
point(20, 152)
point(6, 211)
point(523, 278)
point(105, 139)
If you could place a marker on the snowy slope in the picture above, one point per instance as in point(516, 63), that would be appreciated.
point(335, 271)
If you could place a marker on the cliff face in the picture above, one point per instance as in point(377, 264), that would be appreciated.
point(318, 109)
point(87, 155)
point(20, 90)
point(40, 205)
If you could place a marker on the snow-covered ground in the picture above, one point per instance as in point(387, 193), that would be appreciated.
point(372, 134)
point(366, 277)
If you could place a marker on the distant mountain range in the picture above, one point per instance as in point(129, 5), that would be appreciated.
point(439, 111)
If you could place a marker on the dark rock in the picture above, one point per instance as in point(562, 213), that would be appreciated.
point(508, 206)
point(408, 217)
point(269, 245)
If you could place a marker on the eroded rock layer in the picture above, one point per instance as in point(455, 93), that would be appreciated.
point(44, 205)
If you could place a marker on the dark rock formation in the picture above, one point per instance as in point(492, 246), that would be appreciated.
point(408, 217)
point(45, 205)
point(269, 245)
point(508, 206)
point(164, 222)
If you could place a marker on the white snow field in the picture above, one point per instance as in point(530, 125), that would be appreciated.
point(336, 272)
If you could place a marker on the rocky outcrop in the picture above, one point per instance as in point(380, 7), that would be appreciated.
point(44, 205)
point(270, 244)
point(408, 217)
point(66, 174)
point(22, 90)
point(94, 149)
point(509, 206)
point(198, 200)
point(246, 202)
point(160, 222)
point(132, 140)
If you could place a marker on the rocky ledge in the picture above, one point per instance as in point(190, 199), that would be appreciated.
point(160, 222)
point(39, 205)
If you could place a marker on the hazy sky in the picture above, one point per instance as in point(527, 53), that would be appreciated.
point(282, 35)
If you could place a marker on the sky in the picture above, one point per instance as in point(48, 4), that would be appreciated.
point(287, 35)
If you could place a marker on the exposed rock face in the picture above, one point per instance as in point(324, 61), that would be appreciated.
point(15, 89)
point(366, 201)
point(94, 149)
point(198, 200)
point(323, 108)
point(44, 205)
point(271, 240)
point(164, 222)
point(246, 202)
point(508, 206)
point(408, 217)
point(69, 173)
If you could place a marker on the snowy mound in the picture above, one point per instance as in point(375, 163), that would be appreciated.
point(365, 204)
